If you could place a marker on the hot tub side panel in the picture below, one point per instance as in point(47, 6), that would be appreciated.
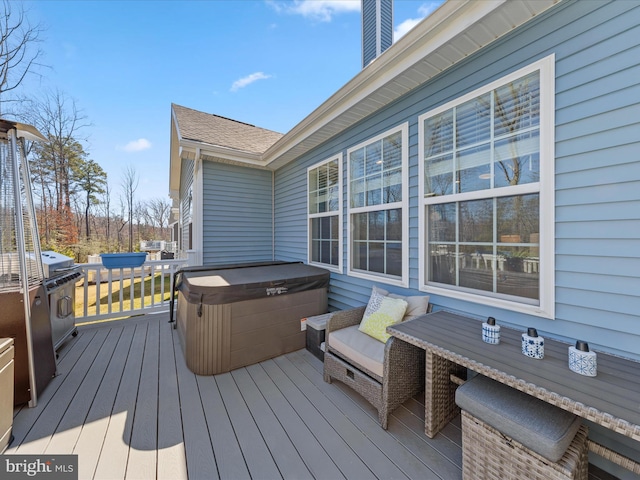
point(205, 340)
point(234, 335)
point(269, 327)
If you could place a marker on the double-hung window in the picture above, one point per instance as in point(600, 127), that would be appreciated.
point(378, 208)
point(324, 183)
point(487, 190)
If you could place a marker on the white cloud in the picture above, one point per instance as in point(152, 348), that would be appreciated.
point(319, 10)
point(248, 80)
point(136, 145)
point(424, 11)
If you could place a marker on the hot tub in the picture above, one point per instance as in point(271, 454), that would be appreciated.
point(233, 316)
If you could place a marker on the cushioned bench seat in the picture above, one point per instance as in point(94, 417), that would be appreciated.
point(518, 434)
point(359, 347)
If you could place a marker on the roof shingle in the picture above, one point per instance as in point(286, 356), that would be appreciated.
point(223, 132)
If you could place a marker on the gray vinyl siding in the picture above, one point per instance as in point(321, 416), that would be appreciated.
point(597, 171)
point(237, 214)
point(186, 183)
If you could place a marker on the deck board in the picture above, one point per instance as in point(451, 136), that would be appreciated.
point(276, 439)
point(125, 402)
point(171, 455)
point(340, 452)
point(112, 463)
point(199, 454)
point(361, 445)
point(310, 450)
point(89, 445)
point(144, 433)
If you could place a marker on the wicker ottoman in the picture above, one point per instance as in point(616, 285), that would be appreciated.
point(508, 434)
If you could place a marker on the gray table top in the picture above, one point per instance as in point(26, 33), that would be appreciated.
point(612, 398)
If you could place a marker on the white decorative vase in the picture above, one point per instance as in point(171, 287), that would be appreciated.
point(532, 344)
point(491, 331)
point(582, 361)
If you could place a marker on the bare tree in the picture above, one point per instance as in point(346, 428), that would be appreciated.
point(120, 221)
point(158, 210)
point(106, 202)
point(18, 47)
point(129, 187)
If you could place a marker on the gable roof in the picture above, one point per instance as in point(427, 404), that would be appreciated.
point(222, 132)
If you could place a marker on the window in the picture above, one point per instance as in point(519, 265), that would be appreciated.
point(486, 169)
point(325, 213)
point(378, 212)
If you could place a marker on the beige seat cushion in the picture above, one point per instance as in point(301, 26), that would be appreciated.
point(359, 347)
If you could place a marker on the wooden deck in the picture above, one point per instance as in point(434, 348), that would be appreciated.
point(126, 404)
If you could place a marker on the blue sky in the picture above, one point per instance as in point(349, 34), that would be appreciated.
point(265, 62)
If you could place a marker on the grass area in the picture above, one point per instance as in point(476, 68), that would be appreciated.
point(129, 301)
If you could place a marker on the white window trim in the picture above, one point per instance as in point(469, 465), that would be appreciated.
point(546, 307)
point(332, 268)
point(404, 205)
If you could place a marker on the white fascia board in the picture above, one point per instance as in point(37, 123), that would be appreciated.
point(223, 153)
point(174, 154)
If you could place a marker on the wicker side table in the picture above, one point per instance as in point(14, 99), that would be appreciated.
point(316, 326)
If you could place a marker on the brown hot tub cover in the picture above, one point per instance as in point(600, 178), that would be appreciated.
point(229, 284)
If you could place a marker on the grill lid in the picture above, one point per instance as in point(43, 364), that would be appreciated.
point(53, 261)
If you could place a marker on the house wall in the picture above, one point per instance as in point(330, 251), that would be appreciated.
point(597, 177)
point(237, 214)
point(597, 170)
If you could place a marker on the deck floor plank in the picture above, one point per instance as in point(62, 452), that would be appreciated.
point(315, 457)
point(64, 439)
point(171, 454)
point(351, 466)
point(125, 402)
point(375, 460)
point(43, 429)
point(366, 419)
point(441, 455)
point(276, 439)
point(25, 417)
point(226, 449)
point(115, 450)
point(89, 445)
point(199, 453)
point(256, 454)
point(142, 461)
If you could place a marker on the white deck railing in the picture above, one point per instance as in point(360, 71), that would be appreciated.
point(123, 292)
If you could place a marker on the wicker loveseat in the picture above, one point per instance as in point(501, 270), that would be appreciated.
point(385, 374)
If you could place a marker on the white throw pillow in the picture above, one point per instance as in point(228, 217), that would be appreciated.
point(417, 305)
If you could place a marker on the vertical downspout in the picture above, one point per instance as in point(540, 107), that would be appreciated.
point(198, 212)
point(273, 215)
